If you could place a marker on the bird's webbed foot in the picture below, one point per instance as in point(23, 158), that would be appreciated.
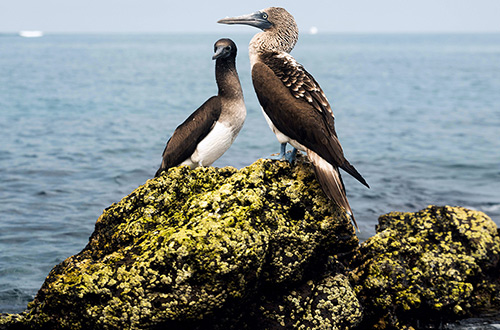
point(291, 156)
point(281, 155)
point(284, 155)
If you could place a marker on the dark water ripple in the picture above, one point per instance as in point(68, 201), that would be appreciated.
point(84, 120)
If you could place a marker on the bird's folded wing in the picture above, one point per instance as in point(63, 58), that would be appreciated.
point(294, 115)
point(195, 128)
point(297, 106)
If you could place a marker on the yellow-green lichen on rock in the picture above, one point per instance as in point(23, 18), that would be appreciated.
point(438, 263)
point(312, 305)
point(194, 246)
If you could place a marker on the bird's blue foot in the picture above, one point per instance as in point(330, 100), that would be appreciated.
point(291, 155)
point(288, 156)
point(282, 153)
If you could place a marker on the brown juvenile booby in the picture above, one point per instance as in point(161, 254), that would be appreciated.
point(293, 103)
point(206, 135)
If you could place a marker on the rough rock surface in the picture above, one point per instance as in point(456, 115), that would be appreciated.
point(208, 248)
point(262, 248)
point(426, 267)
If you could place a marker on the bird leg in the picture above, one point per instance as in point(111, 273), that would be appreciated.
point(282, 154)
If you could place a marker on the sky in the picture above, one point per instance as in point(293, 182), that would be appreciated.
point(346, 16)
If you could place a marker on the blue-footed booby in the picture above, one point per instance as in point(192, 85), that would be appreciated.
point(293, 103)
point(207, 134)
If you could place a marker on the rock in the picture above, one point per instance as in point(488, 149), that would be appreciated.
point(328, 303)
point(262, 248)
point(422, 268)
point(207, 248)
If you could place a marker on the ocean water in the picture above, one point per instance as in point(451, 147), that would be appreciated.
point(84, 120)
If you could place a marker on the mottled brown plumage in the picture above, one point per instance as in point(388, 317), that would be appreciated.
point(293, 75)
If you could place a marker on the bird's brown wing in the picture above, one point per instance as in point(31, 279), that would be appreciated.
point(187, 135)
point(306, 116)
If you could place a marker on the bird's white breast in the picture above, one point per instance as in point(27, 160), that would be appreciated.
point(221, 137)
point(214, 145)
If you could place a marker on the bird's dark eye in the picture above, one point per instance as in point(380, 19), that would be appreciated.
point(264, 15)
point(228, 48)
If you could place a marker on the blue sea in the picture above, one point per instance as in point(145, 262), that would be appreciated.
point(84, 120)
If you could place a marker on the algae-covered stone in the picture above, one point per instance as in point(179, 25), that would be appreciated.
point(193, 247)
point(439, 263)
point(328, 303)
point(12, 321)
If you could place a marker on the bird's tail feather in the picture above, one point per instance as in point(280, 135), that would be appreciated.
point(163, 167)
point(352, 171)
point(331, 182)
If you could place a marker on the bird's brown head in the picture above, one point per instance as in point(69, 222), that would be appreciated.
point(224, 48)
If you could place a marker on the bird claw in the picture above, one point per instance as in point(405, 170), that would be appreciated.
point(284, 155)
point(281, 155)
point(289, 156)
point(276, 156)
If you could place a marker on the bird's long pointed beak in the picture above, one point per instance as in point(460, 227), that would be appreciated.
point(254, 19)
point(218, 53)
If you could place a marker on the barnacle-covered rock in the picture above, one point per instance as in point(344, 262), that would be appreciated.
point(325, 303)
point(195, 248)
point(439, 263)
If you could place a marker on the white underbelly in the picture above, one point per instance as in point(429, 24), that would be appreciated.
point(282, 138)
point(214, 145)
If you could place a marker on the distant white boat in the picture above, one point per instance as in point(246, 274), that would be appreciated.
point(313, 30)
point(31, 34)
